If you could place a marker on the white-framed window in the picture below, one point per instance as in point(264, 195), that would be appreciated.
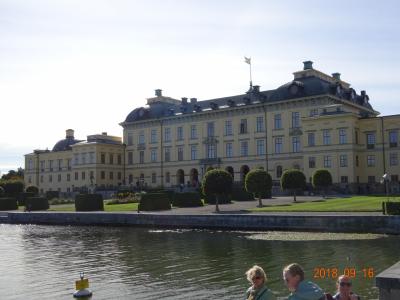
point(153, 155)
point(295, 119)
point(326, 137)
point(260, 124)
point(153, 136)
point(277, 121)
point(60, 164)
point(311, 162)
point(76, 159)
point(228, 149)
point(130, 139)
point(228, 127)
point(210, 129)
point(244, 148)
point(141, 137)
point(180, 153)
point(393, 158)
point(141, 157)
point(278, 145)
point(371, 140)
point(167, 134)
point(343, 160)
point(371, 160)
point(193, 152)
point(296, 144)
point(167, 154)
point(153, 177)
point(393, 138)
point(342, 136)
point(260, 147)
point(243, 126)
point(211, 151)
point(311, 139)
point(314, 112)
point(167, 177)
point(193, 132)
point(179, 133)
point(327, 161)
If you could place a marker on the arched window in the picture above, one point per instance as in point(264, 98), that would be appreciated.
point(278, 171)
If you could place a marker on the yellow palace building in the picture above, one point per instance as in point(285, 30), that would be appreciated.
point(314, 121)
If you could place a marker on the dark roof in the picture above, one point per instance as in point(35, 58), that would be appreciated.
point(65, 144)
point(301, 87)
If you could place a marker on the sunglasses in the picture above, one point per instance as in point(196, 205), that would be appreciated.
point(256, 278)
point(345, 283)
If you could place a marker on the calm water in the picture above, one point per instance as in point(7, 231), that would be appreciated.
point(42, 262)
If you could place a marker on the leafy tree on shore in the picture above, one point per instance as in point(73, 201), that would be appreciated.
point(293, 180)
point(322, 179)
point(217, 182)
point(258, 182)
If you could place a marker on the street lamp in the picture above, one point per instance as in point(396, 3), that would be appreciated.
point(385, 180)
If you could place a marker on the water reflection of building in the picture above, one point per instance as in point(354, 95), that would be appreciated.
point(314, 121)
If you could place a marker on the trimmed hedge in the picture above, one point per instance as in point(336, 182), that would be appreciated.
point(189, 199)
point(32, 189)
point(224, 199)
point(52, 194)
point(391, 208)
point(36, 203)
point(12, 188)
point(22, 197)
point(154, 201)
point(89, 202)
point(8, 203)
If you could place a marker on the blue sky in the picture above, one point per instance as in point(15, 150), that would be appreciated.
point(86, 64)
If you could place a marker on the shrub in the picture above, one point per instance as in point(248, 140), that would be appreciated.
point(391, 208)
point(293, 180)
point(217, 182)
point(258, 182)
point(1, 191)
point(240, 194)
point(32, 189)
point(22, 197)
point(154, 201)
point(52, 194)
point(36, 203)
point(89, 202)
point(13, 187)
point(8, 203)
point(189, 199)
point(223, 199)
point(322, 179)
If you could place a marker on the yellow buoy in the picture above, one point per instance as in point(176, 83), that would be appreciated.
point(82, 287)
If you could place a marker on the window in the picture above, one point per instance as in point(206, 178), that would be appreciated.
point(210, 129)
point(76, 176)
point(260, 147)
point(130, 139)
point(228, 127)
point(119, 159)
point(29, 179)
point(244, 148)
point(211, 151)
point(243, 126)
point(167, 134)
point(83, 158)
point(342, 136)
point(50, 165)
point(130, 158)
point(119, 175)
point(370, 140)
point(295, 119)
point(69, 164)
point(260, 124)
point(42, 162)
point(91, 157)
point(50, 178)
point(180, 153)
point(153, 155)
point(76, 159)
point(141, 137)
point(103, 158)
point(278, 145)
point(91, 175)
point(228, 150)
point(153, 136)
point(326, 137)
point(167, 154)
point(60, 164)
point(311, 162)
point(343, 160)
point(179, 133)
point(279, 171)
point(41, 178)
point(111, 157)
point(393, 139)
point(167, 177)
point(371, 160)
point(393, 159)
point(311, 139)
point(83, 175)
point(394, 178)
point(103, 175)
point(59, 177)
point(371, 179)
point(141, 157)
point(193, 132)
point(111, 175)
point(30, 164)
point(153, 177)
point(130, 178)
point(344, 179)
point(68, 177)
point(193, 152)
point(327, 161)
point(356, 137)
point(277, 121)
point(314, 112)
point(296, 144)
point(357, 161)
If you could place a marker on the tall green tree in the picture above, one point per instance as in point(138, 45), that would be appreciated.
point(322, 180)
point(258, 182)
point(217, 182)
point(293, 180)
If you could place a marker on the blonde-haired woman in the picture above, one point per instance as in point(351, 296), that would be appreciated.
point(258, 290)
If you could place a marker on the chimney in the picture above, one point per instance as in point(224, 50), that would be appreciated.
point(363, 93)
point(184, 100)
point(104, 133)
point(158, 93)
point(193, 100)
point(336, 76)
point(308, 65)
point(69, 133)
point(256, 88)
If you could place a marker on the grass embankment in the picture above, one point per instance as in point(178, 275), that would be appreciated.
point(111, 208)
point(350, 204)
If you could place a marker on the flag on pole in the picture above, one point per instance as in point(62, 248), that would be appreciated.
point(247, 60)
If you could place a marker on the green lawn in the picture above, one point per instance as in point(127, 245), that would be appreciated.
point(114, 207)
point(351, 204)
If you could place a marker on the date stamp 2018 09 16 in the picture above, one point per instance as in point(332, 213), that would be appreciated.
point(352, 272)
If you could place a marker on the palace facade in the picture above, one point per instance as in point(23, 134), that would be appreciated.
point(314, 121)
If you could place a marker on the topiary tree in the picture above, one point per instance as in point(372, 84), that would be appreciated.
point(209, 169)
point(322, 179)
point(12, 188)
point(32, 189)
point(293, 180)
point(217, 182)
point(258, 182)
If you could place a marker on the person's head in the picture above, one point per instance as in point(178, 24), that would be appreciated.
point(343, 285)
point(256, 276)
point(293, 274)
